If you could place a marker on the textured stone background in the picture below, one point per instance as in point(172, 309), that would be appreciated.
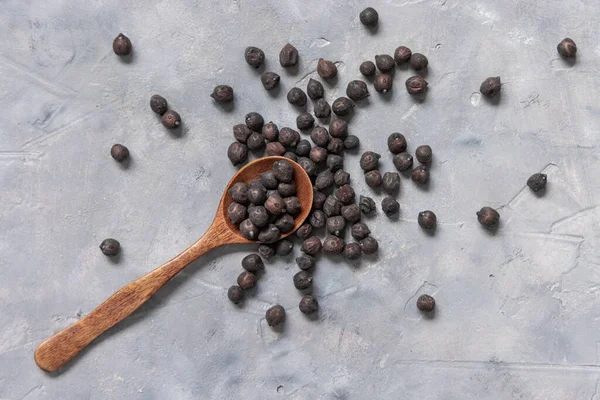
point(518, 313)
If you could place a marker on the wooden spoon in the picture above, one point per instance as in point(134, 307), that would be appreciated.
point(60, 348)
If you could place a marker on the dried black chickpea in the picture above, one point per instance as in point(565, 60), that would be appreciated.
point(258, 215)
point(383, 83)
point(254, 56)
point(249, 230)
point(321, 108)
point(266, 251)
point(236, 213)
point(305, 121)
point(338, 128)
point(352, 251)
point(360, 230)
point(254, 121)
point(351, 213)
point(237, 153)
point(288, 56)
point(119, 152)
point(420, 174)
point(490, 87)
point(287, 189)
point(345, 194)
point(268, 180)
point(246, 280)
point(284, 224)
point(288, 137)
point(306, 262)
point(122, 45)
point(270, 233)
point(235, 294)
point(488, 217)
point(315, 89)
point(319, 136)
point(324, 180)
point(326, 69)
point(319, 199)
point(318, 154)
point(336, 225)
point(332, 206)
point(275, 205)
point(271, 132)
point(369, 161)
point(416, 85)
point(296, 97)
point(367, 68)
point(390, 206)
point(334, 162)
point(351, 142)
point(110, 247)
point(567, 48)
point(342, 106)
point(396, 143)
point(291, 156)
point(158, 104)
point(341, 177)
point(275, 149)
point(369, 17)
point(303, 148)
point(335, 146)
point(425, 303)
point(255, 142)
point(312, 246)
point(427, 220)
point(373, 179)
point(304, 231)
point(366, 205)
point(292, 205)
point(357, 90)
point(241, 133)
point(385, 62)
point(253, 263)
point(537, 182)
point(333, 245)
point(222, 94)
point(391, 182)
point(302, 280)
point(308, 166)
point(402, 55)
point(424, 154)
point(369, 245)
point(275, 315)
point(284, 247)
point(239, 193)
point(283, 171)
point(171, 120)
point(270, 80)
point(403, 161)
point(308, 304)
point(418, 61)
point(317, 219)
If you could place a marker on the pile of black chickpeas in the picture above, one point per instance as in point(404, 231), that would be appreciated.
point(264, 209)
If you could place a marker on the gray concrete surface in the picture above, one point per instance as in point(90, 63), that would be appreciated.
point(518, 313)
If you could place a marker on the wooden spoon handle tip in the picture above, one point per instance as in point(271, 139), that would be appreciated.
point(62, 347)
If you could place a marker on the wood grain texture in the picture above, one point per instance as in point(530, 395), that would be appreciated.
point(62, 347)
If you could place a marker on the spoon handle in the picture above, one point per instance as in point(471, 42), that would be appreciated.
point(63, 346)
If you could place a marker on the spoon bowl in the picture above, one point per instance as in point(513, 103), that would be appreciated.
point(63, 346)
point(251, 171)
